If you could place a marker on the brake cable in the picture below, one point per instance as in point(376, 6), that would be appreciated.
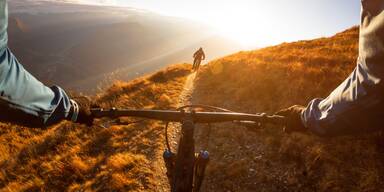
point(181, 109)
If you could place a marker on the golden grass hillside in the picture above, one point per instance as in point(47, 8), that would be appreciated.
point(267, 80)
point(71, 157)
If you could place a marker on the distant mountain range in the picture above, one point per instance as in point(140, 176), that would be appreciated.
point(81, 47)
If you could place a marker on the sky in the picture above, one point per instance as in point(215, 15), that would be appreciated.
point(256, 23)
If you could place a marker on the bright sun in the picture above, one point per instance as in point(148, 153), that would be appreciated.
point(258, 23)
point(235, 21)
point(240, 21)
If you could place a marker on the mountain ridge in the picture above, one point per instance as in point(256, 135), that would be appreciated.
point(64, 44)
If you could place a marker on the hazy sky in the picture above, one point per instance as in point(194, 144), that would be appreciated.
point(260, 22)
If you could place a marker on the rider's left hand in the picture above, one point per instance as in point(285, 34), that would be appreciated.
point(84, 116)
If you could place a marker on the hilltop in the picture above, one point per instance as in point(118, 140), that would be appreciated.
point(267, 80)
point(71, 157)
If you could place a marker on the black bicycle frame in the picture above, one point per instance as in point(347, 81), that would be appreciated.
point(182, 173)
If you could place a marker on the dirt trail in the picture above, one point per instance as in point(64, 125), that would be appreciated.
point(202, 142)
point(173, 134)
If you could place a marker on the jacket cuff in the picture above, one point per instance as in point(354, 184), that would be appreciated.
point(74, 112)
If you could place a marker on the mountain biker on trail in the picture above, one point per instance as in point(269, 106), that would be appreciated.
point(198, 56)
point(24, 99)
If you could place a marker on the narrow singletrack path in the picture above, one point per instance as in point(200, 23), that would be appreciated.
point(185, 98)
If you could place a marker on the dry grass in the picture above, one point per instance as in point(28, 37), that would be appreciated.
point(266, 80)
point(71, 157)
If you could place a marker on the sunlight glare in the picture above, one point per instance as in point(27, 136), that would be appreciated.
point(237, 21)
point(258, 23)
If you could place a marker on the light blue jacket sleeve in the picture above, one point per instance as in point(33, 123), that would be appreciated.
point(24, 99)
point(357, 105)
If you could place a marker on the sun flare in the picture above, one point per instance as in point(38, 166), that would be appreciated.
point(257, 23)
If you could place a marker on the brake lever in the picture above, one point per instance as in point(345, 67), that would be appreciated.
point(107, 124)
point(250, 125)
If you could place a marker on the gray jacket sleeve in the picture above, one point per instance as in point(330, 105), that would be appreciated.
point(356, 106)
point(3, 26)
point(24, 99)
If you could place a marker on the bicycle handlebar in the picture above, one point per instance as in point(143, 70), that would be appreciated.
point(198, 117)
point(185, 169)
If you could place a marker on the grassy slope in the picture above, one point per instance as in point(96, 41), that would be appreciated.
point(267, 160)
point(73, 157)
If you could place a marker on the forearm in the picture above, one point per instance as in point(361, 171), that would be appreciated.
point(24, 99)
point(352, 108)
point(24, 95)
point(356, 106)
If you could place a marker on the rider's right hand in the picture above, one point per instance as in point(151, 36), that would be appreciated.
point(293, 118)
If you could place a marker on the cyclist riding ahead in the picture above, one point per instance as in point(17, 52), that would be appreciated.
point(198, 56)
